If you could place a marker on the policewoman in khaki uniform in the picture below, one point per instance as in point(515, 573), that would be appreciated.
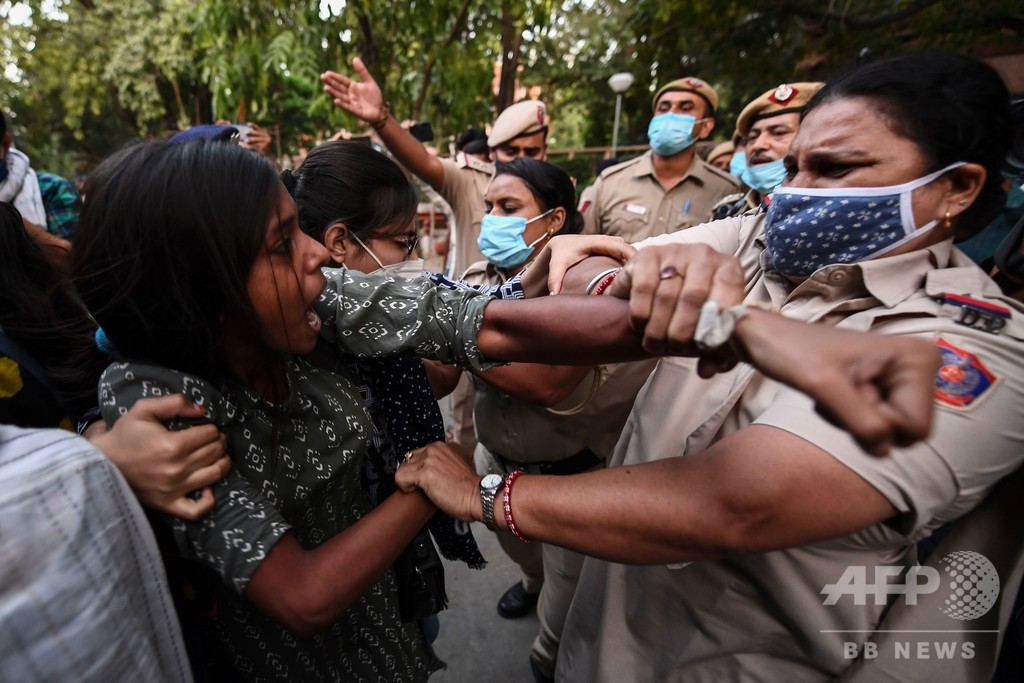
point(762, 612)
point(669, 187)
point(748, 506)
point(540, 418)
point(520, 130)
point(767, 126)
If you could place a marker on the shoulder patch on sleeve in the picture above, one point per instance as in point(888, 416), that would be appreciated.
point(963, 380)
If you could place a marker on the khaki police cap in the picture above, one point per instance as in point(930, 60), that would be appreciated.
point(721, 150)
point(689, 84)
point(528, 117)
point(786, 98)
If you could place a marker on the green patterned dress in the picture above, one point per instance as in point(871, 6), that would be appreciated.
point(297, 467)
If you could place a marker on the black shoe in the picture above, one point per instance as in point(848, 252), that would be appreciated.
point(538, 675)
point(516, 602)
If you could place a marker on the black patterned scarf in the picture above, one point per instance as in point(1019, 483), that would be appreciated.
point(405, 416)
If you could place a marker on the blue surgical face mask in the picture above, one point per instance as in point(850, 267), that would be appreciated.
point(738, 163)
point(671, 133)
point(501, 239)
point(809, 228)
point(764, 177)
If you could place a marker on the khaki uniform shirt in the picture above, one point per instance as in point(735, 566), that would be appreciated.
point(525, 432)
point(465, 182)
point(761, 617)
point(628, 200)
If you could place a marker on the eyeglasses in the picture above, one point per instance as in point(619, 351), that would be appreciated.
point(408, 242)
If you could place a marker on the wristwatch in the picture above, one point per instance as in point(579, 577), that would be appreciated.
point(489, 487)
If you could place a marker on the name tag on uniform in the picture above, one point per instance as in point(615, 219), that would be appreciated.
point(635, 208)
point(976, 313)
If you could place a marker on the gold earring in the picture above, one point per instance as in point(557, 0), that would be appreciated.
point(947, 222)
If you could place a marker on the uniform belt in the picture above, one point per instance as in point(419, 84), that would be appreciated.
point(574, 464)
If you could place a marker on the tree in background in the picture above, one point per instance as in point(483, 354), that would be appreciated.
point(84, 76)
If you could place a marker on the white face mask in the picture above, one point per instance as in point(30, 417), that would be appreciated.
point(409, 269)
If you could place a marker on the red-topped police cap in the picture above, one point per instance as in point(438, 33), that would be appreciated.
point(783, 99)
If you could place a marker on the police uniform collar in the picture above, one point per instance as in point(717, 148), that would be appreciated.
point(699, 171)
point(960, 275)
point(891, 279)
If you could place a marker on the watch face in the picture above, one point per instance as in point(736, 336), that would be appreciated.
point(491, 481)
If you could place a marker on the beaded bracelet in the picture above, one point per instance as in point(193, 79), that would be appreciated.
point(506, 501)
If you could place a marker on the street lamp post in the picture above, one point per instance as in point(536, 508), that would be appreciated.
point(619, 83)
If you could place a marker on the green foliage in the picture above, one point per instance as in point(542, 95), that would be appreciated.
point(87, 75)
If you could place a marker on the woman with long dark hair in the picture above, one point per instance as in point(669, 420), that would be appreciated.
point(192, 260)
point(49, 368)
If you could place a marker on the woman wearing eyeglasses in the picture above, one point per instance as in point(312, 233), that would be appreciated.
point(360, 205)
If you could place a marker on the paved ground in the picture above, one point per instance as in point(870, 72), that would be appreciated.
point(477, 644)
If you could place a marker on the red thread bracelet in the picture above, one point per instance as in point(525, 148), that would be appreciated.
point(506, 501)
point(605, 283)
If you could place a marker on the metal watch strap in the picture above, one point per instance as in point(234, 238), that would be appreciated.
point(487, 497)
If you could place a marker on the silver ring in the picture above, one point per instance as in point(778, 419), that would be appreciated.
point(668, 272)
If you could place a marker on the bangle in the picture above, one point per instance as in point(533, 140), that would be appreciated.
point(506, 501)
point(601, 276)
point(383, 120)
point(605, 283)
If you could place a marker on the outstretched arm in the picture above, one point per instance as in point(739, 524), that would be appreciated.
point(879, 388)
point(364, 99)
point(757, 490)
point(544, 385)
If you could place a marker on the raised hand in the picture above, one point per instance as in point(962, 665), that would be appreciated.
point(361, 98)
